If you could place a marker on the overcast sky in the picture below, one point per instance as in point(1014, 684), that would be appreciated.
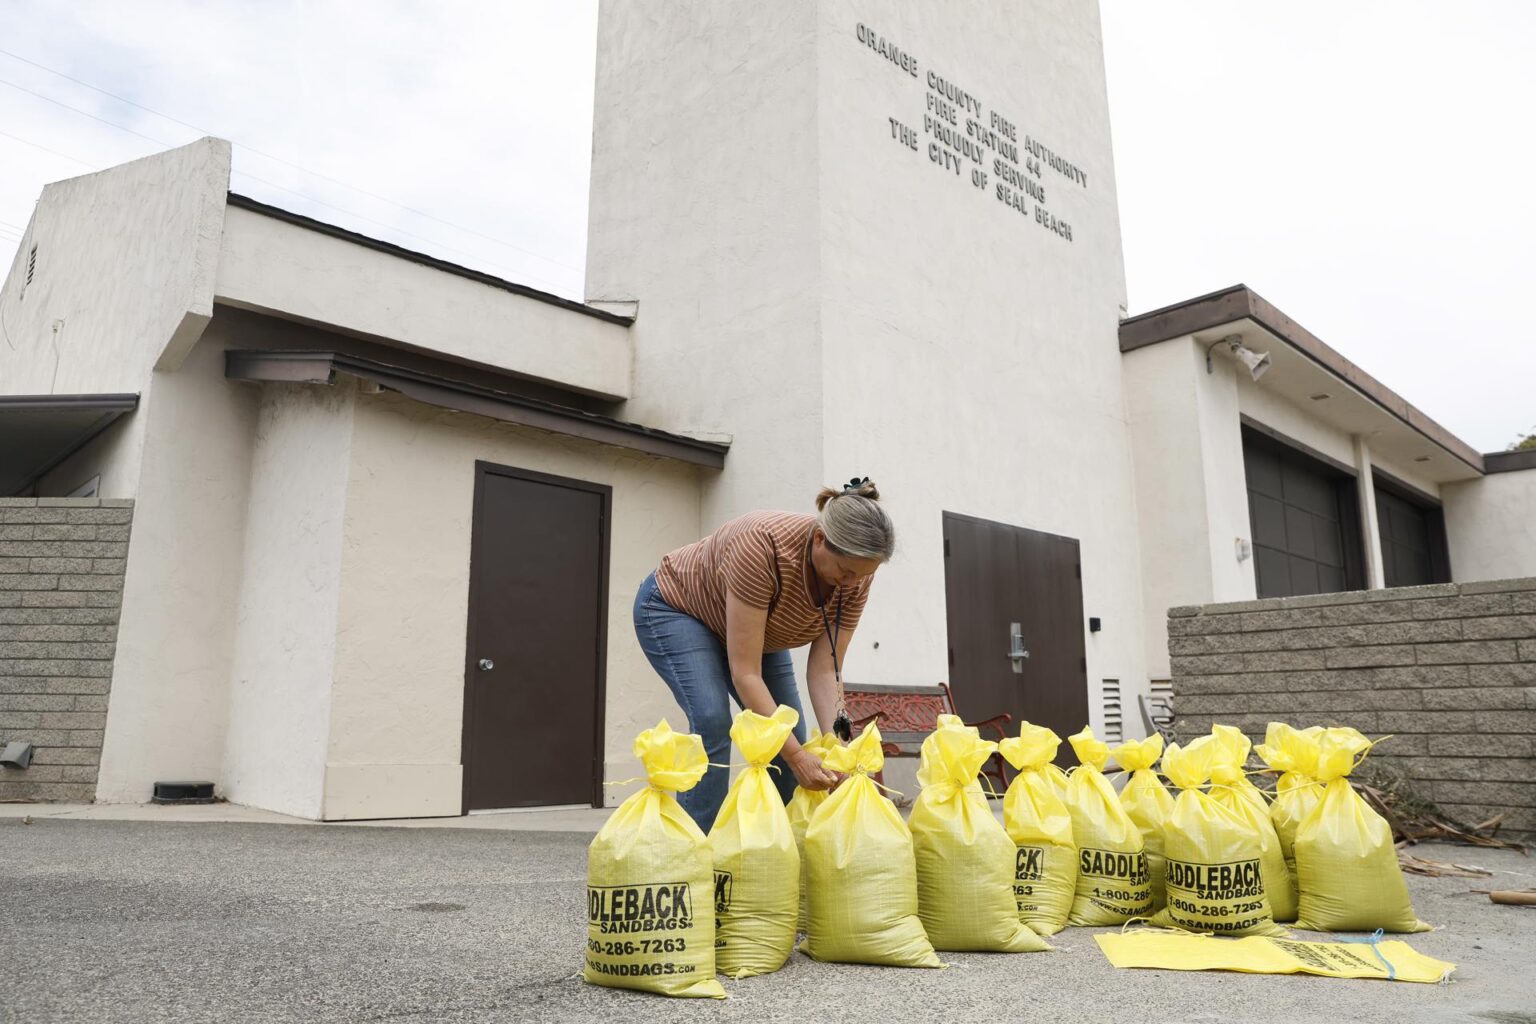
point(1363, 165)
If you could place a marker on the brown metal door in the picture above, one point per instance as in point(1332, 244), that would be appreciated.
point(534, 672)
point(996, 575)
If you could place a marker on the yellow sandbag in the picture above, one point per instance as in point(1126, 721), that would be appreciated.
point(1215, 881)
point(863, 877)
point(757, 868)
point(1057, 776)
point(1038, 823)
point(1148, 803)
point(650, 919)
point(1390, 960)
point(801, 806)
point(1230, 787)
point(965, 860)
point(1346, 863)
point(1113, 884)
point(1293, 753)
point(1235, 745)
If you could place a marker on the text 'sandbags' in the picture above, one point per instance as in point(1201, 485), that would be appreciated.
point(1293, 753)
point(757, 867)
point(1038, 823)
point(863, 877)
point(1148, 803)
point(1113, 883)
point(1215, 881)
point(650, 881)
point(801, 806)
point(965, 860)
point(1346, 862)
point(1231, 788)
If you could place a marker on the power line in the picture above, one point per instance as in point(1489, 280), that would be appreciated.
point(45, 149)
point(281, 160)
point(271, 184)
point(85, 113)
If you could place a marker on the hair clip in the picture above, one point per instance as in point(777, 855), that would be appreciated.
point(854, 484)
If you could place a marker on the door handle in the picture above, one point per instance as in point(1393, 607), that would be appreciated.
point(486, 664)
point(1017, 652)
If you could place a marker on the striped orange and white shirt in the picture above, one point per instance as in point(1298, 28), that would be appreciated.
point(764, 559)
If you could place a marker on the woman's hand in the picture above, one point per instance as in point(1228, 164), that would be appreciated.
point(809, 771)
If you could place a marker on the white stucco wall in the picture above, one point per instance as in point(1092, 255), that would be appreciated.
point(1490, 526)
point(971, 360)
point(841, 305)
point(286, 628)
point(124, 271)
point(270, 265)
point(398, 694)
point(167, 714)
point(704, 208)
point(1191, 500)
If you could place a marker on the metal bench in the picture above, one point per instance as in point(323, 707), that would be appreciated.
point(907, 714)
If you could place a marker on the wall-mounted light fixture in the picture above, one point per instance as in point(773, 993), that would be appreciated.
point(1257, 362)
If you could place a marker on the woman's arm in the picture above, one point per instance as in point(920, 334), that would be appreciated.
point(822, 681)
point(744, 626)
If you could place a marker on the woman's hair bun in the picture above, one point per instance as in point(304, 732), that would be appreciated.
point(857, 527)
point(862, 486)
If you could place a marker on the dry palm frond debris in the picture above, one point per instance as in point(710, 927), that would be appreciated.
point(1414, 818)
point(1439, 868)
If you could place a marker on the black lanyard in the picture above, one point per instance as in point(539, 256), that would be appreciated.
point(842, 726)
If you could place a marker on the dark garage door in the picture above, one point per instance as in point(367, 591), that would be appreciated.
point(1305, 520)
point(1413, 549)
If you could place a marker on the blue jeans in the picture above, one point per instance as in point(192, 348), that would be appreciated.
point(692, 661)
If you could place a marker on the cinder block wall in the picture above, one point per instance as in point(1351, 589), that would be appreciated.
point(1449, 671)
point(61, 588)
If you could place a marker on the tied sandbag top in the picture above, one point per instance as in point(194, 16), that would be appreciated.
point(1287, 749)
point(821, 742)
point(952, 755)
point(1136, 755)
point(760, 737)
point(1338, 751)
point(1091, 751)
point(674, 761)
point(1234, 743)
point(1190, 767)
point(861, 757)
point(1228, 756)
point(1032, 749)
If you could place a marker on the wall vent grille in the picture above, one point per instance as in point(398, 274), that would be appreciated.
point(1114, 720)
point(26, 279)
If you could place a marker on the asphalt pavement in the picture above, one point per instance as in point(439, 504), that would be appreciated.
point(107, 921)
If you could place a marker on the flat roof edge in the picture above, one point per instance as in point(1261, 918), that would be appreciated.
point(1242, 303)
point(445, 391)
point(239, 201)
point(1509, 462)
point(106, 403)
